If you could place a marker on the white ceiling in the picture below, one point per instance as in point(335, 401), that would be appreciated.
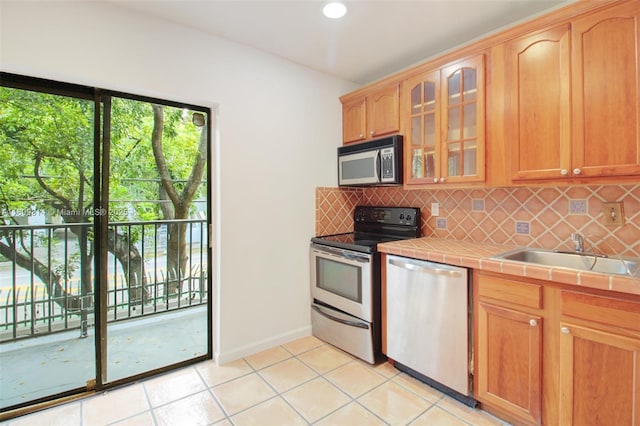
point(375, 38)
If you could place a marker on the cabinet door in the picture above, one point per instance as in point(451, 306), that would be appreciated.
point(422, 141)
point(539, 105)
point(606, 92)
point(462, 158)
point(354, 120)
point(599, 377)
point(509, 361)
point(384, 111)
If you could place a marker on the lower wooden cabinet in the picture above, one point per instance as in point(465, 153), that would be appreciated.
point(599, 360)
point(546, 353)
point(599, 377)
point(509, 361)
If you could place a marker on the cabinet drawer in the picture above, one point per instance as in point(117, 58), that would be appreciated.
point(604, 310)
point(516, 292)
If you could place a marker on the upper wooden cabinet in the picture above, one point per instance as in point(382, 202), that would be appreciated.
point(444, 115)
point(539, 116)
point(606, 92)
point(354, 119)
point(422, 143)
point(573, 107)
point(372, 114)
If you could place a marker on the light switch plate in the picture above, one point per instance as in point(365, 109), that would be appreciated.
point(613, 214)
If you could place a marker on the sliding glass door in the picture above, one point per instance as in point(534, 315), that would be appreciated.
point(157, 232)
point(104, 252)
point(46, 244)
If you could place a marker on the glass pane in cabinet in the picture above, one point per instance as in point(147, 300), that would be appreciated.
point(416, 130)
point(416, 101)
point(417, 170)
point(469, 130)
point(454, 156)
point(430, 129)
point(430, 163)
point(469, 87)
point(429, 96)
point(453, 127)
point(454, 88)
point(470, 158)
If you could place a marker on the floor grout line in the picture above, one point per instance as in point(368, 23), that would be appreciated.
point(246, 369)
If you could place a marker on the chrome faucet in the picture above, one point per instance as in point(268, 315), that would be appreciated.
point(578, 242)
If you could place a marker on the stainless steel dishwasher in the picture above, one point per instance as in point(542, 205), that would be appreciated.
point(428, 323)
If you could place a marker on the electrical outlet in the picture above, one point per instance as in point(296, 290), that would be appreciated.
point(613, 214)
point(435, 209)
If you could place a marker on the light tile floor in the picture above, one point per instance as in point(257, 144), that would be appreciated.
point(303, 382)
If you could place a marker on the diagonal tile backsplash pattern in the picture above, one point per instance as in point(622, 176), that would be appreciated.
point(334, 209)
point(524, 216)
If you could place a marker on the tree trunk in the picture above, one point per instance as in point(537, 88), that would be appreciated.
point(177, 256)
point(51, 280)
point(131, 262)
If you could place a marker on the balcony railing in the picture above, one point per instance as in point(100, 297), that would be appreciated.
point(42, 290)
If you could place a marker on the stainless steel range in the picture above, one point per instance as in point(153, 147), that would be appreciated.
point(345, 279)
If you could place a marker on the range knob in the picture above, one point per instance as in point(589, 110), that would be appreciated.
point(408, 217)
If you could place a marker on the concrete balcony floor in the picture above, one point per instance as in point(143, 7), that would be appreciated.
point(51, 364)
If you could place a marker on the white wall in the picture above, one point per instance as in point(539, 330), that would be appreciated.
point(279, 125)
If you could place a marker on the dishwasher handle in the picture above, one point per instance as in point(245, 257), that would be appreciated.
point(432, 269)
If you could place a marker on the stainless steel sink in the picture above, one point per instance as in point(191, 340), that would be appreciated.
point(580, 261)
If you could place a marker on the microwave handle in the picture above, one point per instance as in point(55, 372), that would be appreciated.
point(378, 166)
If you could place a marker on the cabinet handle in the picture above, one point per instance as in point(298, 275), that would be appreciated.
point(361, 136)
point(435, 180)
point(372, 133)
point(577, 171)
point(564, 172)
point(565, 330)
point(533, 323)
point(442, 180)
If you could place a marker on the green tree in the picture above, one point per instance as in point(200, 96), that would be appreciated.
point(46, 162)
point(49, 167)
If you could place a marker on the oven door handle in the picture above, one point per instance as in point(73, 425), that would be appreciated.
point(362, 258)
point(340, 320)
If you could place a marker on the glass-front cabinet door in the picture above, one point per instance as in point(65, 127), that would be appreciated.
point(463, 121)
point(444, 116)
point(422, 165)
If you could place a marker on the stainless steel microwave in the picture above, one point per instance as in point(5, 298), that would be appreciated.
point(371, 163)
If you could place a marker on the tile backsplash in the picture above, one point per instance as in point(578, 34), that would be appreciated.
point(523, 216)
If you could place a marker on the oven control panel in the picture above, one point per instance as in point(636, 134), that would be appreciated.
point(408, 216)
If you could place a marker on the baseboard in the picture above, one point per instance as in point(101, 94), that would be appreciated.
point(224, 357)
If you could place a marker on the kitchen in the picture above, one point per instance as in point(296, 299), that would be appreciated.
point(546, 119)
point(262, 183)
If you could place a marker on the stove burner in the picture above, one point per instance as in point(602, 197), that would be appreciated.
point(373, 225)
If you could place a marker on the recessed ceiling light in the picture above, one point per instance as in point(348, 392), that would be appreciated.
point(334, 10)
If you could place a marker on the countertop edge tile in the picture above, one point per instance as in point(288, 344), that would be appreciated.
point(470, 254)
point(540, 273)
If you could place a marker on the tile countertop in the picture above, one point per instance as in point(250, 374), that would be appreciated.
point(477, 256)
